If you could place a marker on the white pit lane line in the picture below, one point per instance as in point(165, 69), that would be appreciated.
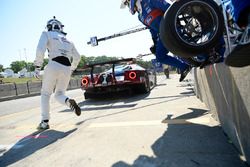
point(200, 120)
point(121, 124)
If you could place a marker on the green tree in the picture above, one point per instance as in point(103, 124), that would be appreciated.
point(90, 60)
point(145, 64)
point(18, 65)
point(45, 62)
point(82, 62)
point(99, 59)
point(1, 67)
point(104, 58)
point(30, 66)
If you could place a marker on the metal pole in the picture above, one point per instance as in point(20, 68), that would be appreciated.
point(120, 34)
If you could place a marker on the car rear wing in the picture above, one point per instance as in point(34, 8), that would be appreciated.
point(110, 62)
point(113, 62)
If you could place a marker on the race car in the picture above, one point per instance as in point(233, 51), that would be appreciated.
point(111, 77)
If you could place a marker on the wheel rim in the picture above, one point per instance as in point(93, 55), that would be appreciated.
point(196, 23)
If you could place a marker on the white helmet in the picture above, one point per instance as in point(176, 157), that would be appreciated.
point(54, 25)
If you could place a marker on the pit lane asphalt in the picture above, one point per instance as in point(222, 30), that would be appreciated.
point(169, 127)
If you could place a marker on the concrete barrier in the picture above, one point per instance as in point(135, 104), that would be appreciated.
point(22, 89)
point(34, 87)
point(7, 90)
point(73, 84)
point(13, 91)
point(226, 92)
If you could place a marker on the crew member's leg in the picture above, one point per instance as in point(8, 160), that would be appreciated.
point(240, 57)
point(163, 57)
point(48, 84)
point(62, 83)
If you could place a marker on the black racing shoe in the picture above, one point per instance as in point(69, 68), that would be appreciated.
point(239, 57)
point(184, 73)
point(43, 126)
point(75, 107)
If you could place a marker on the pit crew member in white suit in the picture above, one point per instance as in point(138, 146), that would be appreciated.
point(58, 71)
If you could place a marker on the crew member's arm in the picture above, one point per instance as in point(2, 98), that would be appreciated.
point(41, 48)
point(76, 58)
point(154, 35)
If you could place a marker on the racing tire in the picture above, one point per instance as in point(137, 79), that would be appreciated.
point(87, 95)
point(191, 27)
point(145, 87)
point(155, 79)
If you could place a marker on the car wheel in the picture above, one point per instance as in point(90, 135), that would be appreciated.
point(155, 79)
point(86, 96)
point(191, 27)
point(145, 87)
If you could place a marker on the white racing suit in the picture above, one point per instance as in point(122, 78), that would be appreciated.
point(56, 74)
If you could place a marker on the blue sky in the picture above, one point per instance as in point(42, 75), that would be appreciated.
point(22, 22)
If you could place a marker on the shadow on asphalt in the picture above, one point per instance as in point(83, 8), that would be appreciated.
point(101, 102)
point(30, 144)
point(125, 102)
point(189, 145)
point(165, 99)
point(129, 101)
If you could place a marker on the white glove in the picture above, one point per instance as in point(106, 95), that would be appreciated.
point(37, 72)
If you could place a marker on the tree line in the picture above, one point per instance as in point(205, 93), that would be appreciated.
point(19, 65)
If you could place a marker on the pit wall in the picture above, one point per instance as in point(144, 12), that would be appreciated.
point(14, 91)
point(226, 92)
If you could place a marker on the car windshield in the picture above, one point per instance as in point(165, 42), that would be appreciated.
point(120, 68)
